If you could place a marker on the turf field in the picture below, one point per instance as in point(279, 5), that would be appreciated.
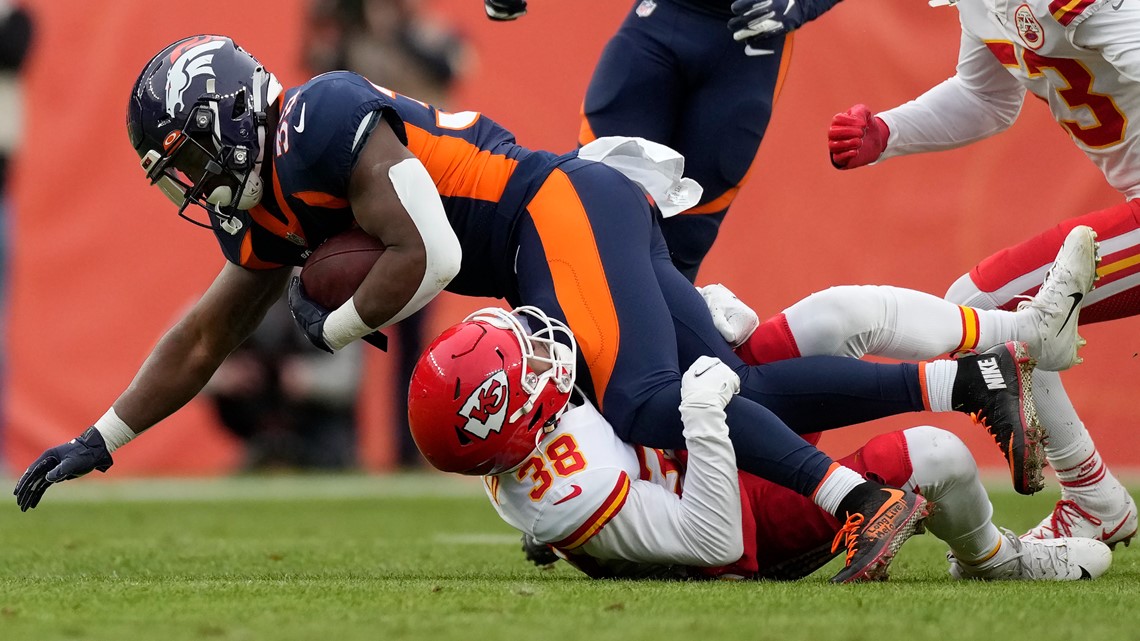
point(424, 557)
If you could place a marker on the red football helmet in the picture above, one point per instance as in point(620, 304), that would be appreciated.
point(483, 392)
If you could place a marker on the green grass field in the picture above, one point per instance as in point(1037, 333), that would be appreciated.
point(425, 557)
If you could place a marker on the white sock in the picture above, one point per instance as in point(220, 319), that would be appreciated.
point(1070, 449)
point(835, 487)
point(938, 383)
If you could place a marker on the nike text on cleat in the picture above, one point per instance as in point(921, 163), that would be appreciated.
point(1056, 307)
point(874, 534)
point(1070, 519)
point(1064, 559)
point(1007, 410)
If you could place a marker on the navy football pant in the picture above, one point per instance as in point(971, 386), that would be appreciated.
point(591, 253)
point(676, 77)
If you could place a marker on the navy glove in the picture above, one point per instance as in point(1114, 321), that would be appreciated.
point(503, 10)
point(64, 462)
point(755, 21)
point(311, 316)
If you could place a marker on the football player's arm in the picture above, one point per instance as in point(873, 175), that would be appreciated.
point(395, 200)
point(702, 527)
point(177, 368)
point(980, 100)
point(1115, 34)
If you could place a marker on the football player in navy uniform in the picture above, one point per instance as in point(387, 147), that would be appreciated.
point(459, 205)
point(674, 74)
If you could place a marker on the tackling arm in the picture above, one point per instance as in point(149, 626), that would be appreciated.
point(703, 526)
point(980, 100)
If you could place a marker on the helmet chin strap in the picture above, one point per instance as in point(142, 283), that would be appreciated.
point(251, 189)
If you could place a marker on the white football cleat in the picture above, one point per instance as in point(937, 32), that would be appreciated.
point(1070, 519)
point(1064, 559)
point(1057, 304)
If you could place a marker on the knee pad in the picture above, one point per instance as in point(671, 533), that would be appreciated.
point(938, 457)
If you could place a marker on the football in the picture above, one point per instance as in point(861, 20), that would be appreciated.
point(336, 268)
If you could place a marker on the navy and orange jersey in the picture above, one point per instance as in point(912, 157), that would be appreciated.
point(324, 124)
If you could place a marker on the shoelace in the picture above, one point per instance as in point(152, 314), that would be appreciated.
point(1043, 561)
point(848, 536)
point(1065, 515)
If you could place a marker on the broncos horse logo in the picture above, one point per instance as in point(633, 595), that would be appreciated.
point(193, 58)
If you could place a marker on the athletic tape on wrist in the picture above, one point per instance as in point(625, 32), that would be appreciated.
point(344, 325)
point(114, 431)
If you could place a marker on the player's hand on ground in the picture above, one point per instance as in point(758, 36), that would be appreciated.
point(733, 319)
point(708, 383)
point(504, 9)
point(856, 137)
point(61, 463)
point(755, 21)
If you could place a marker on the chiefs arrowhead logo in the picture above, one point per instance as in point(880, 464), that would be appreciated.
point(1030, 30)
point(485, 410)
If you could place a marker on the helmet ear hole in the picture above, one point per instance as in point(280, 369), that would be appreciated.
point(239, 109)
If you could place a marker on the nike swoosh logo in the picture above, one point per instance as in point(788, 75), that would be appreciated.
point(1107, 534)
point(749, 50)
point(1085, 573)
point(575, 490)
point(896, 495)
point(1117, 5)
point(300, 126)
point(792, 3)
point(1077, 298)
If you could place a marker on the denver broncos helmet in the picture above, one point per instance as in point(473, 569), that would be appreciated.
point(196, 118)
point(483, 392)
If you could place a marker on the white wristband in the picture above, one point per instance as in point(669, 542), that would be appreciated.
point(114, 431)
point(344, 325)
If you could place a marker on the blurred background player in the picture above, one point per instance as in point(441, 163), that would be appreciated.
point(15, 41)
point(292, 406)
point(554, 470)
point(391, 43)
point(674, 74)
point(1083, 60)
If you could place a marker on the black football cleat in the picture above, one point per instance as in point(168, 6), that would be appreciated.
point(875, 531)
point(996, 389)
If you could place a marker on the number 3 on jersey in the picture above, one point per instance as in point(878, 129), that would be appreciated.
point(562, 455)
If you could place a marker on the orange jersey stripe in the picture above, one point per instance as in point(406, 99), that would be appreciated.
point(458, 167)
point(271, 222)
point(598, 520)
point(723, 201)
point(321, 199)
point(248, 259)
point(579, 277)
point(586, 133)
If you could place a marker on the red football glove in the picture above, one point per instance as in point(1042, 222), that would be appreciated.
point(856, 138)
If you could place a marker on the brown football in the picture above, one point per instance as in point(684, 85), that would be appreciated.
point(333, 272)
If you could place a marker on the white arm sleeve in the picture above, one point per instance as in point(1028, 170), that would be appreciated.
point(418, 194)
point(980, 100)
point(700, 528)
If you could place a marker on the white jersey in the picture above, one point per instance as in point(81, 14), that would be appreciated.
point(1082, 57)
point(587, 493)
